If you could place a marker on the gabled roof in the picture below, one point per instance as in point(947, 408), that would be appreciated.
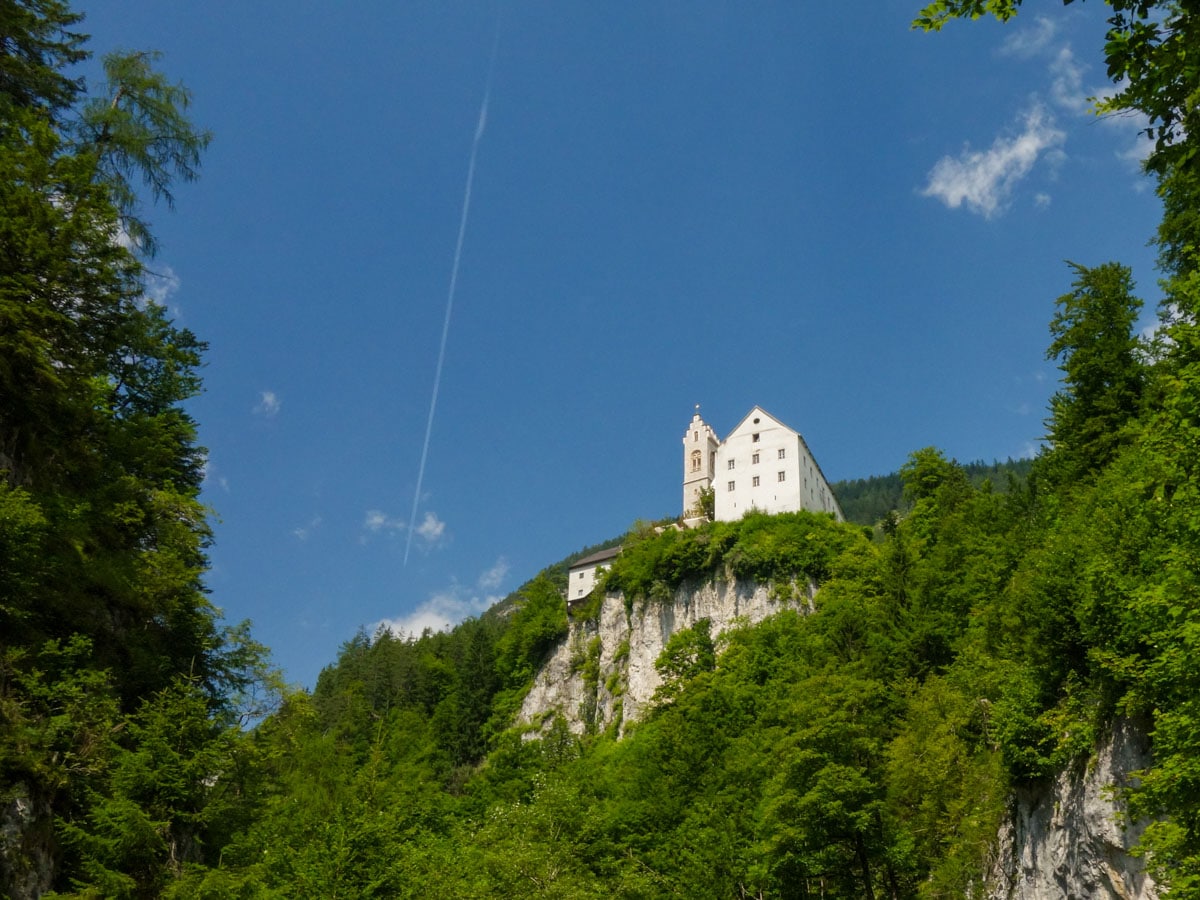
point(594, 559)
point(759, 412)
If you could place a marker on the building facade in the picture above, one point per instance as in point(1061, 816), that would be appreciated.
point(583, 573)
point(700, 446)
point(762, 465)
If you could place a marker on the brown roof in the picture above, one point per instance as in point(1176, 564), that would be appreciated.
point(596, 558)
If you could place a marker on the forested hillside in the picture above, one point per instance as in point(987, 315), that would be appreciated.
point(868, 501)
point(979, 641)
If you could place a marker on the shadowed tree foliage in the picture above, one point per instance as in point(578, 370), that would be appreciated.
point(120, 693)
point(1104, 375)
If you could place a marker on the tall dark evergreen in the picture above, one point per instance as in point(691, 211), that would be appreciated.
point(95, 445)
point(1104, 370)
point(118, 686)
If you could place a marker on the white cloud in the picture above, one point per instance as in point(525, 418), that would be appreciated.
point(447, 608)
point(160, 285)
point(431, 528)
point(268, 405)
point(984, 180)
point(1133, 124)
point(1153, 329)
point(209, 476)
point(494, 577)
point(377, 521)
point(305, 531)
point(1136, 153)
point(441, 612)
point(1069, 93)
point(1041, 200)
point(1066, 83)
point(1030, 41)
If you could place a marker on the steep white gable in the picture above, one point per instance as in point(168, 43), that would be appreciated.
point(764, 465)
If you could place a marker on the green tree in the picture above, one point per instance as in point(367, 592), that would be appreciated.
point(688, 652)
point(1099, 353)
point(138, 130)
point(538, 623)
point(103, 535)
point(92, 427)
point(38, 47)
point(1134, 536)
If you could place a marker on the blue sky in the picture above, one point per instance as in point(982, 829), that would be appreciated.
point(809, 207)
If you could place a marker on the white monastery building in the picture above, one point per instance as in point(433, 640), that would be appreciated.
point(584, 573)
point(762, 465)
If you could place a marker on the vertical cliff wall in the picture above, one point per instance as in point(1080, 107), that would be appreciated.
point(26, 844)
point(602, 675)
point(1068, 838)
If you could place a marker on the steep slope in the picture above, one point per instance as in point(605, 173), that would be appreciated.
point(1067, 838)
point(603, 675)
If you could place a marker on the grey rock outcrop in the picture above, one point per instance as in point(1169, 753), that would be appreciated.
point(26, 845)
point(1068, 839)
point(602, 674)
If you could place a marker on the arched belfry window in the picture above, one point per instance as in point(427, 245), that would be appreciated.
point(695, 460)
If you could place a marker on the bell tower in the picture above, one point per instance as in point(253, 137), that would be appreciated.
point(699, 462)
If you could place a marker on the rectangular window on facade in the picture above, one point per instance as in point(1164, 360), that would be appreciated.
point(580, 574)
point(732, 462)
point(730, 486)
point(755, 481)
point(783, 453)
point(754, 458)
point(754, 437)
point(783, 476)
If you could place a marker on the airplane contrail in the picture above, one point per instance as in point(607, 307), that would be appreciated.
point(462, 231)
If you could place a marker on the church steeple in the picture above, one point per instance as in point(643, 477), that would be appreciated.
point(699, 462)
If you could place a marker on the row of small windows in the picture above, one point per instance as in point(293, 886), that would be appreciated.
point(754, 482)
point(753, 459)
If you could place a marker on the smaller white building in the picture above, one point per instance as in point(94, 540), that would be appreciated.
point(762, 465)
point(584, 573)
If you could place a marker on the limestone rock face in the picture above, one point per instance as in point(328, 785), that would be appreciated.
point(1066, 840)
point(602, 675)
point(26, 842)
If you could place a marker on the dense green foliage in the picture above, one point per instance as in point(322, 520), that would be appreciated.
point(870, 501)
point(758, 547)
point(120, 693)
point(983, 637)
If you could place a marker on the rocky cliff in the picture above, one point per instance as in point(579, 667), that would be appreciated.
point(602, 675)
point(26, 844)
point(1062, 839)
point(1068, 838)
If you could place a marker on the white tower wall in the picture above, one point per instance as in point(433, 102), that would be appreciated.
point(699, 461)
